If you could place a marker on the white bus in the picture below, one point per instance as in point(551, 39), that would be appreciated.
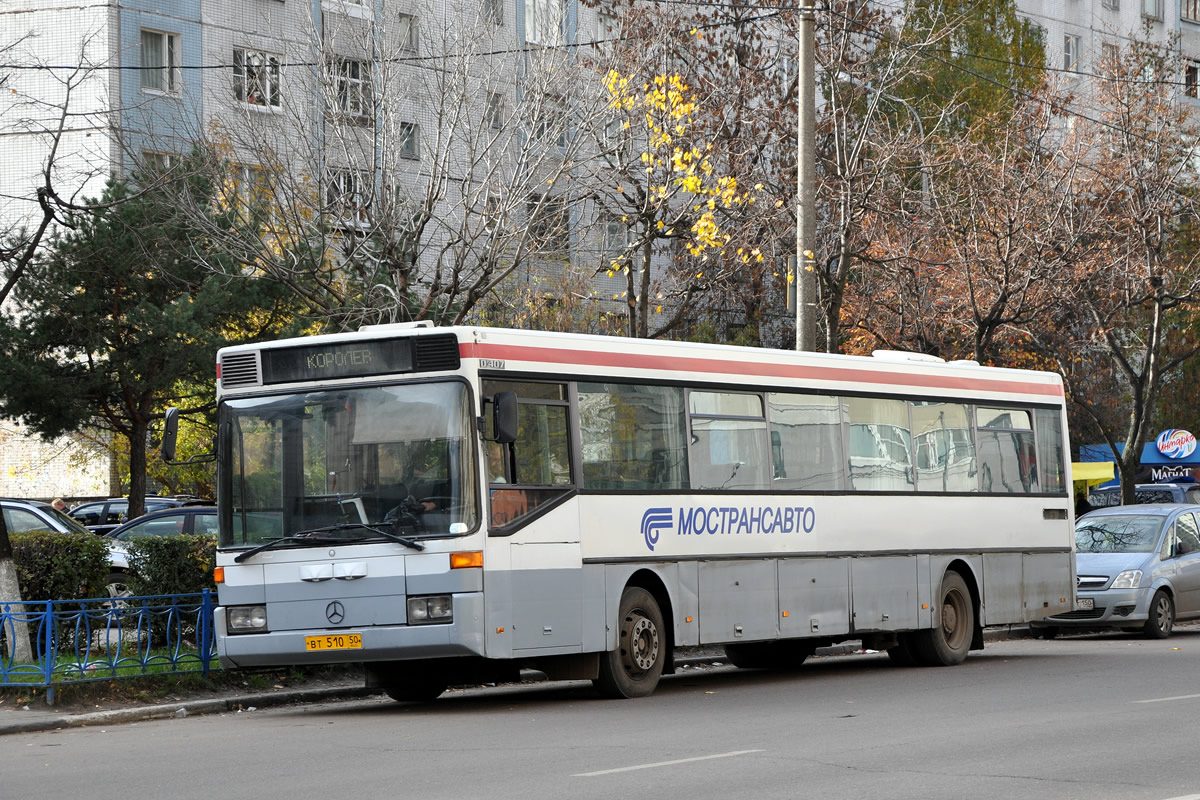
point(451, 505)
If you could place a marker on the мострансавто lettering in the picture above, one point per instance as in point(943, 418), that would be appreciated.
point(765, 519)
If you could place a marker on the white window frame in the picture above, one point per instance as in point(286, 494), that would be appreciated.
point(409, 28)
point(361, 9)
point(166, 73)
point(1189, 10)
point(408, 144)
point(614, 236)
point(1152, 9)
point(353, 89)
point(546, 22)
point(1115, 5)
point(347, 193)
point(1071, 45)
point(251, 189)
point(552, 121)
point(493, 11)
point(1191, 78)
point(608, 30)
point(494, 116)
point(549, 224)
point(256, 76)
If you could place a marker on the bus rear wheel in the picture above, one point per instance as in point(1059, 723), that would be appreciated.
point(949, 640)
point(633, 669)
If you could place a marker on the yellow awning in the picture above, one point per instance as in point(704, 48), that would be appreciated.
point(1092, 473)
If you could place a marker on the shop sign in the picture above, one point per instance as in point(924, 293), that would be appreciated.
point(1175, 443)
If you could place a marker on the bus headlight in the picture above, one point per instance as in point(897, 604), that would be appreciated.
point(246, 619)
point(434, 608)
point(1129, 579)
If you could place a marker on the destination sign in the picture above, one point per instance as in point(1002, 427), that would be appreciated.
point(344, 360)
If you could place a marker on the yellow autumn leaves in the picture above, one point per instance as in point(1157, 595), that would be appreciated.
point(681, 183)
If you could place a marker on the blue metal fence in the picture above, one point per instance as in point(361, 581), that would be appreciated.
point(77, 641)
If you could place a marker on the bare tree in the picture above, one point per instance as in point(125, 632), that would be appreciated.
point(1136, 276)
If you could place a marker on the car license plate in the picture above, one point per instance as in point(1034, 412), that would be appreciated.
point(1084, 603)
point(334, 641)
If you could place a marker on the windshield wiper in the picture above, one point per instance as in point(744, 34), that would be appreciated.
point(313, 537)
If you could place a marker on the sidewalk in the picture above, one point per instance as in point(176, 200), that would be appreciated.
point(34, 718)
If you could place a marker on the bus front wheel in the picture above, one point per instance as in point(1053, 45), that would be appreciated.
point(948, 641)
point(633, 669)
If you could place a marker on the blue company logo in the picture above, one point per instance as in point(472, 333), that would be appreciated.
point(713, 520)
point(653, 521)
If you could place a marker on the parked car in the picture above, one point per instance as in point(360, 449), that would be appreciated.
point(1147, 493)
point(105, 516)
point(168, 522)
point(1136, 568)
point(34, 515)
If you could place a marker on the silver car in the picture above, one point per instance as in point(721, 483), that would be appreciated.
point(1137, 568)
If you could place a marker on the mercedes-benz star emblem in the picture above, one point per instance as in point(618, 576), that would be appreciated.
point(335, 612)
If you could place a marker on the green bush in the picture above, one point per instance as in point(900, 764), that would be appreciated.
point(171, 564)
point(60, 566)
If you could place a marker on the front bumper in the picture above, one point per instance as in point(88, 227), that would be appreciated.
point(462, 637)
point(1113, 608)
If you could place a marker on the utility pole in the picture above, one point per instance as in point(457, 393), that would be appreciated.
point(806, 186)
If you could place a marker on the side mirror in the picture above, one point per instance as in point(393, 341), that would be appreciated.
point(504, 417)
point(170, 433)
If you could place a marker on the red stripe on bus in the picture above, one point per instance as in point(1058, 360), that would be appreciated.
point(711, 365)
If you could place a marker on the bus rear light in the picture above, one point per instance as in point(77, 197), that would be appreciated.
point(247, 619)
point(218, 575)
point(431, 609)
point(474, 558)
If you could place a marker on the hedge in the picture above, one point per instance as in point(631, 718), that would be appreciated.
point(59, 566)
point(171, 564)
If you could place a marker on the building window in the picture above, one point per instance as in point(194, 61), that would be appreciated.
point(493, 11)
point(160, 61)
point(348, 197)
point(550, 121)
point(256, 78)
point(549, 224)
point(251, 196)
point(1189, 10)
point(544, 22)
point(409, 37)
point(353, 96)
point(1191, 76)
point(409, 145)
point(1110, 56)
point(157, 163)
point(1115, 5)
point(615, 236)
point(495, 110)
point(1070, 52)
point(493, 213)
point(608, 31)
point(1152, 9)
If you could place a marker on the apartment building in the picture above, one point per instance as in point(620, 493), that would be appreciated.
point(1080, 34)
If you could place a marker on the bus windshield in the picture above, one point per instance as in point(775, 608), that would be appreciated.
point(348, 464)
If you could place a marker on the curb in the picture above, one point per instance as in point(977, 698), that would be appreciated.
point(183, 709)
point(39, 723)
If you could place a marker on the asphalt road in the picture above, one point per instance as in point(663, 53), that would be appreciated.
point(1099, 717)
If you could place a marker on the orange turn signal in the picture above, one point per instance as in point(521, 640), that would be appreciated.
point(218, 574)
point(473, 558)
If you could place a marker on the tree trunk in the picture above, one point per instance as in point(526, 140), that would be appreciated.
point(137, 467)
point(10, 592)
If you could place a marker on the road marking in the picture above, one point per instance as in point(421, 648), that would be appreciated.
point(1167, 700)
point(668, 764)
